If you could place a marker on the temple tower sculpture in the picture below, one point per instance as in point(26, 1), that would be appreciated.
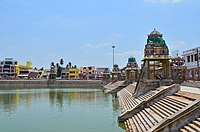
point(178, 69)
point(116, 73)
point(156, 70)
point(132, 70)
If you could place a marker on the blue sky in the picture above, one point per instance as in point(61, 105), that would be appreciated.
point(83, 31)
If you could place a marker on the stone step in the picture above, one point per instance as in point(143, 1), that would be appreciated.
point(193, 126)
point(197, 123)
point(183, 130)
point(151, 119)
point(176, 101)
point(172, 103)
point(147, 124)
point(171, 107)
point(145, 96)
point(191, 96)
point(167, 108)
point(189, 129)
point(137, 125)
point(140, 123)
point(181, 99)
point(133, 127)
point(160, 112)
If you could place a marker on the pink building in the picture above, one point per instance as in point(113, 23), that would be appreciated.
point(87, 73)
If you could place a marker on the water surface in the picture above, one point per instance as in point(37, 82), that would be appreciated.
point(58, 110)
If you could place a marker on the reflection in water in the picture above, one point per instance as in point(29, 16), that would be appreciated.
point(60, 105)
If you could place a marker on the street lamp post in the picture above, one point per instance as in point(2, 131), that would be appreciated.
point(113, 55)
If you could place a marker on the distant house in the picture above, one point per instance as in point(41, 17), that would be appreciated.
point(27, 71)
point(87, 72)
point(9, 68)
point(65, 73)
point(191, 57)
point(73, 73)
point(45, 74)
point(100, 72)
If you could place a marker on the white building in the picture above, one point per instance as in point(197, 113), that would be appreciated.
point(8, 68)
point(191, 57)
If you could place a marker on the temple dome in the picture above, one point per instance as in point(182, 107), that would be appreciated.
point(132, 63)
point(178, 61)
point(131, 59)
point(154, 32)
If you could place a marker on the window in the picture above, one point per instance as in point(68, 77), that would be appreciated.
point(192, 58)
point(188, 58)
point(195, 57)
point(9, 62)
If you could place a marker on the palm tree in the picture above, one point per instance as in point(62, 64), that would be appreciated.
point(67, 66)
point(61, 62)
point(70, 64)
point(52, 64)
point(57, 65)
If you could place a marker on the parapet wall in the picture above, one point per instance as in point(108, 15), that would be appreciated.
point(51, 84)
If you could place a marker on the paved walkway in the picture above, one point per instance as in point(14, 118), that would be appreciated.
point(190, 89)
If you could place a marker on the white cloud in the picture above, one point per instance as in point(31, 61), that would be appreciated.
point(164, 1)
point(95, 46)
point(177, 45)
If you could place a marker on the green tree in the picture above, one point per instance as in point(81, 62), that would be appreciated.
point(75, 66)
point(41, 69)
point(59, 71)
point(67, 66)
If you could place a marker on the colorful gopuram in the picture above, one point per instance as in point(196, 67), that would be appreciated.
point(156, 70)
point(132, 70)
point(156, 46)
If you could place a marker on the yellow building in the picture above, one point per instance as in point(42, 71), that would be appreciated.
point(26, 71)
point(73, 73)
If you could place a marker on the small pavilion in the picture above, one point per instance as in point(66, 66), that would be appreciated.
point(132, 70)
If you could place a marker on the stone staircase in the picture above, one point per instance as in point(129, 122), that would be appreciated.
point(164, 106)
point(148, 119)
point(130, 105)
